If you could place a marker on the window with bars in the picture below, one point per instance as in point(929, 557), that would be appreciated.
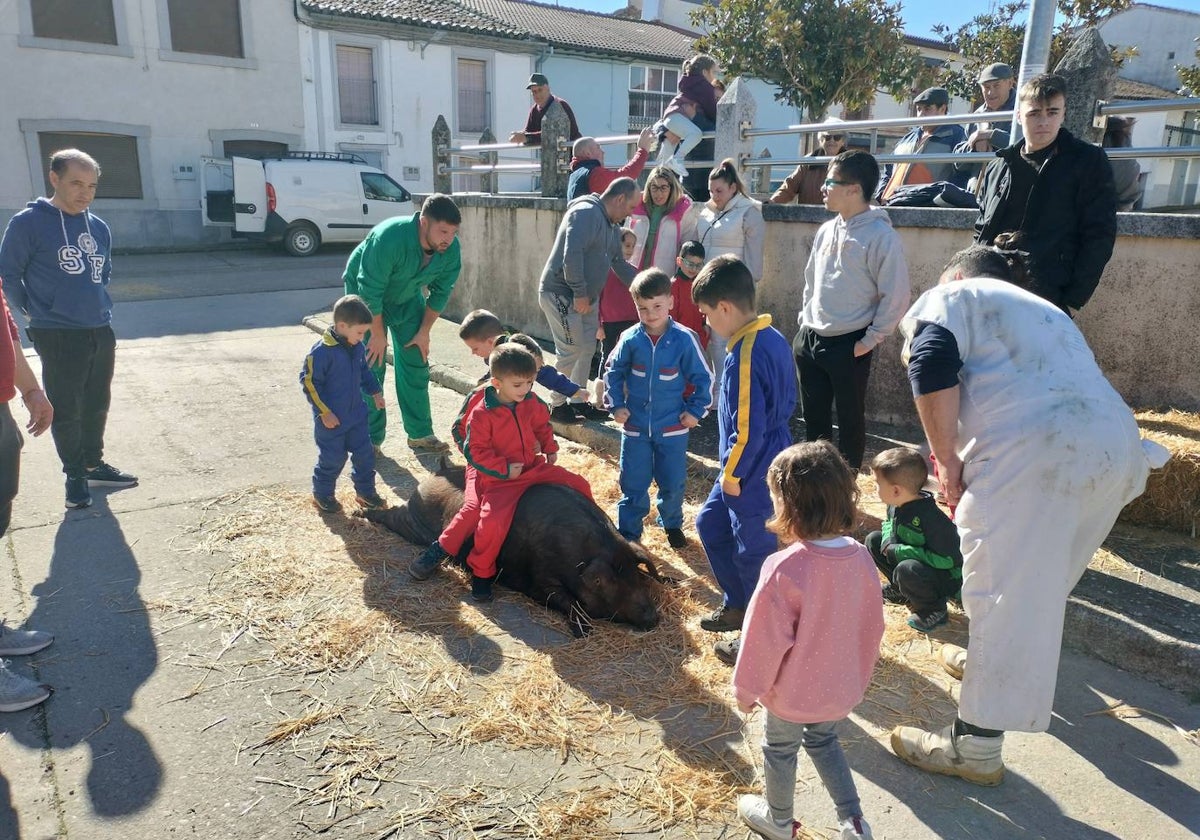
point(213, 27)
point(91, 21)
point(117, 154)
point(473, 101)
point(356, 85)
point(651, 88)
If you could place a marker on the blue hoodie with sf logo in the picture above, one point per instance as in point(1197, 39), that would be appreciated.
point(56, 267)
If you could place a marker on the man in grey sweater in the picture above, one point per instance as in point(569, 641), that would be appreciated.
point(586, 247)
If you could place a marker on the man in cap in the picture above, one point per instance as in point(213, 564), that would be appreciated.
point(925, 140)
point(539, 89)
point(999, 94)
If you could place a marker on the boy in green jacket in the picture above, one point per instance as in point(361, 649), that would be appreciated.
point(405, 270)
point(918, 550)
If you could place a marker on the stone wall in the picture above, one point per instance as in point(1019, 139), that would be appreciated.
point(1141, 323)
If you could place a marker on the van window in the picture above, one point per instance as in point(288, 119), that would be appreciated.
point(379, 187)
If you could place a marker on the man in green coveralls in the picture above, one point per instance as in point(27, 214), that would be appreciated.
point(405, 270)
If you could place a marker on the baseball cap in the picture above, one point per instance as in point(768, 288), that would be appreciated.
point(933, 96)
point(994, 72)
point(537, 79)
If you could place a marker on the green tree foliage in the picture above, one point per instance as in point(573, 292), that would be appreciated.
point(999, 34)
point(817, 52)
point(1189, 77)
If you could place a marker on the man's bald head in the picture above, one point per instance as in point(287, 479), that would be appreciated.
point(586, 148)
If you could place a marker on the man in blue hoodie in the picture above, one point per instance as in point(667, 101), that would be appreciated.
point(56, 259)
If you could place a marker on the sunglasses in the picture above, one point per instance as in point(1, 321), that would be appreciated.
point(836, 137)
point(830, 183)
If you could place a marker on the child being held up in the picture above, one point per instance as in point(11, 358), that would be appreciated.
point(658, 387)
point(811, 638)
point(918, 550)
point(508, 440)
point(334, 378)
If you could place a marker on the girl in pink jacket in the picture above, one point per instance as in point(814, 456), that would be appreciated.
point(810, 638)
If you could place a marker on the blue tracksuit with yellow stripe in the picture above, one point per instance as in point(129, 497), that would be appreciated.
point(334, 378)
point(650, 376)
point(758, 396)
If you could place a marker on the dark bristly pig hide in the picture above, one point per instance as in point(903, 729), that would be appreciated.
point(561, 550)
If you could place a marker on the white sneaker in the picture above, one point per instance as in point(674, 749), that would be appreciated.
point(22, 642)
point(953, 659)
point(855, 828)
point(755, 812)
point(971, 757)
point(676, 166)
point(17, 692)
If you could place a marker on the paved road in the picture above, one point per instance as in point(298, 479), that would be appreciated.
point(206, 405)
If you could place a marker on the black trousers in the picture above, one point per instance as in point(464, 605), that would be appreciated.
point(10, 464)
point(925, 587)
point(831, 376)
point(77, 371)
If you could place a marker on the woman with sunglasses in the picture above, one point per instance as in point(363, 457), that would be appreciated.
point(663, 220)
point(803, 186)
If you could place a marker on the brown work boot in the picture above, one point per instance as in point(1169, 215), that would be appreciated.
point(971, 757)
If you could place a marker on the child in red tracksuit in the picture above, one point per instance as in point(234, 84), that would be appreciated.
point(507, 438)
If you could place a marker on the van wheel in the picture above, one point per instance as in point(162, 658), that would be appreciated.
point(301, 240)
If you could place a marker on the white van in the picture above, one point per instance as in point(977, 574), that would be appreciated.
point(300, 199)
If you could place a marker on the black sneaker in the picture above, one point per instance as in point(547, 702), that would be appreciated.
point(722, 620)
point(727, 652)
point(676, 538)
point(327, 504)
point(481, 589)
point(78, 495)
point(106, 475)
point(370, 501)
point(423, 567)
point(565, 414)
point(589, 412)
point(892, 595)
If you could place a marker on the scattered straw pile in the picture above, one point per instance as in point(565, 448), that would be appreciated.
point(644, 723)
point(1172, 497)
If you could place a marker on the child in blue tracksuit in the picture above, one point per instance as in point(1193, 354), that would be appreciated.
point(482, 332)
point(757, 398)
point(334, 378)
point(658, 386)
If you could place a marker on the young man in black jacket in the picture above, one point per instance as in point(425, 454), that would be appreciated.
point(1052, 196)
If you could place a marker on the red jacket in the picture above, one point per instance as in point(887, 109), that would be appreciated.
point(10, 345)
point(685, 311)
point(498, 435)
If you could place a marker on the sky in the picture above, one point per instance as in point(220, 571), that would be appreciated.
point(919, 15)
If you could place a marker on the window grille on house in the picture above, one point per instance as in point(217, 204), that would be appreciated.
point(356, 85)
point(117, 154)
point(472, 96)
point(75, 20)
point(213, 27)
point(650, 91)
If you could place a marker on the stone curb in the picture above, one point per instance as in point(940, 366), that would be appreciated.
point(1110, 637)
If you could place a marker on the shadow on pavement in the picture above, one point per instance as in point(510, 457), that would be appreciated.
point(103, 652)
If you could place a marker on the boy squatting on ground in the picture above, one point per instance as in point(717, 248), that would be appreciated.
point(507, 438)
point(657, 386)
point(334, 378)
point(811, 639)
point(918, 550)
point(757, 398)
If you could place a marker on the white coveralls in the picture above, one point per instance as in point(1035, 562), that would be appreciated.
point(1051, 454)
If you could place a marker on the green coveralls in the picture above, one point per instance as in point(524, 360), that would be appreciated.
point(385, 270)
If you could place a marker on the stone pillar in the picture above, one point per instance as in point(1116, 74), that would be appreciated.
point(1091, 76)
point(555, 128)
point(442, 179)
point(735, 109)
point(491, 180)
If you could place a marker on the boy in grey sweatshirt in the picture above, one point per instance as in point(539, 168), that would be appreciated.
point(855, 293)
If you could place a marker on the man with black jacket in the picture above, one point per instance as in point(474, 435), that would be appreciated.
point(1052, 196)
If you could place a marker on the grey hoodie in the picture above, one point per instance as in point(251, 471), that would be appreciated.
point(586, 246)
point(856, 277)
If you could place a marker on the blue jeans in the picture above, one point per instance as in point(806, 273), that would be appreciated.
point(782, 740)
